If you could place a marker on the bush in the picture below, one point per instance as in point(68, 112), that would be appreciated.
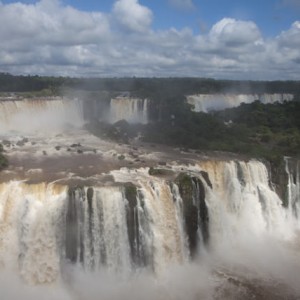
point(3, 159)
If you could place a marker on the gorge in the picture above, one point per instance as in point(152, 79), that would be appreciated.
point(87, 218)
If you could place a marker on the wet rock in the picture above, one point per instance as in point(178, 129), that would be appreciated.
point(22, 142)
point(75, 145)
point(74, 247)
point(159, 172)
point(6, 143)
point(136, 246)
point(206, 178)
point(195, 211)
point(132, 154)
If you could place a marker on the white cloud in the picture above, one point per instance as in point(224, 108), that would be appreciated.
point(234, 33)
point(182, 4)
point(133, 16)
point(291, 37)
point(53, 39)
point(48, 22)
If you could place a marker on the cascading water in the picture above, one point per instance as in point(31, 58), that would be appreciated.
point(149, 223)
point(84, 226)
point(29, 115)
point(292, 168)
point(209, 220)
point(133, 110)
point(245, 203)
point(30, 221)
point(210, 102)
point(96, 228)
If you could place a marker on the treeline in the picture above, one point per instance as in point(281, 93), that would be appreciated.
point(143, 87)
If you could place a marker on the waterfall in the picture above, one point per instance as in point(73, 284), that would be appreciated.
point(133, 110)
point(292, 168)
point(31, 115)
point(244, 204)
point(46, 114)
point(30, 222)
point(140, 221)
point(209, 102)
point(96, 228)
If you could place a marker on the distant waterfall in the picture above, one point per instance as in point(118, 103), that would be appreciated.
point(29, 115)
point(141, 221)
point(210, 102)
point(133, 110)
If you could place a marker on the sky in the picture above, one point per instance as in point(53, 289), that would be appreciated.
point(222, 39)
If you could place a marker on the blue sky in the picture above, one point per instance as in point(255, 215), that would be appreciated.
point(237, 38)
point(272, 16)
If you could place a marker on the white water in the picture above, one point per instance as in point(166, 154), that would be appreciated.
point(210, 102)
point(54, 114)
point(247, 223)
point(133, 110)
point(35, 115)
point(57, 246)
point(293, 187)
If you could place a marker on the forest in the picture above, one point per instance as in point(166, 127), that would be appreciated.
point(143, 87)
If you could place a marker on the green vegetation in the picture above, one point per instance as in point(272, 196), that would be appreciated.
point(159, 172)
point(270, 130)
point(131, 193)
point(258, 130)
point(3, 159)
point(141, 87)
point(264, 131)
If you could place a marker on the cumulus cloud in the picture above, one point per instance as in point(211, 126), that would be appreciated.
point(291, 37)
point(232, 32)
point(48, 22)
point(182, 4)
point(132, 15)
point(50, 38)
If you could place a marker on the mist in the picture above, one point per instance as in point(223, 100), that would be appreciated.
point(39, 115)
point(256, 267)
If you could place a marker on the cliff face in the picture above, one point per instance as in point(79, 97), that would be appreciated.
point(284, 178)
point(139, 220)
